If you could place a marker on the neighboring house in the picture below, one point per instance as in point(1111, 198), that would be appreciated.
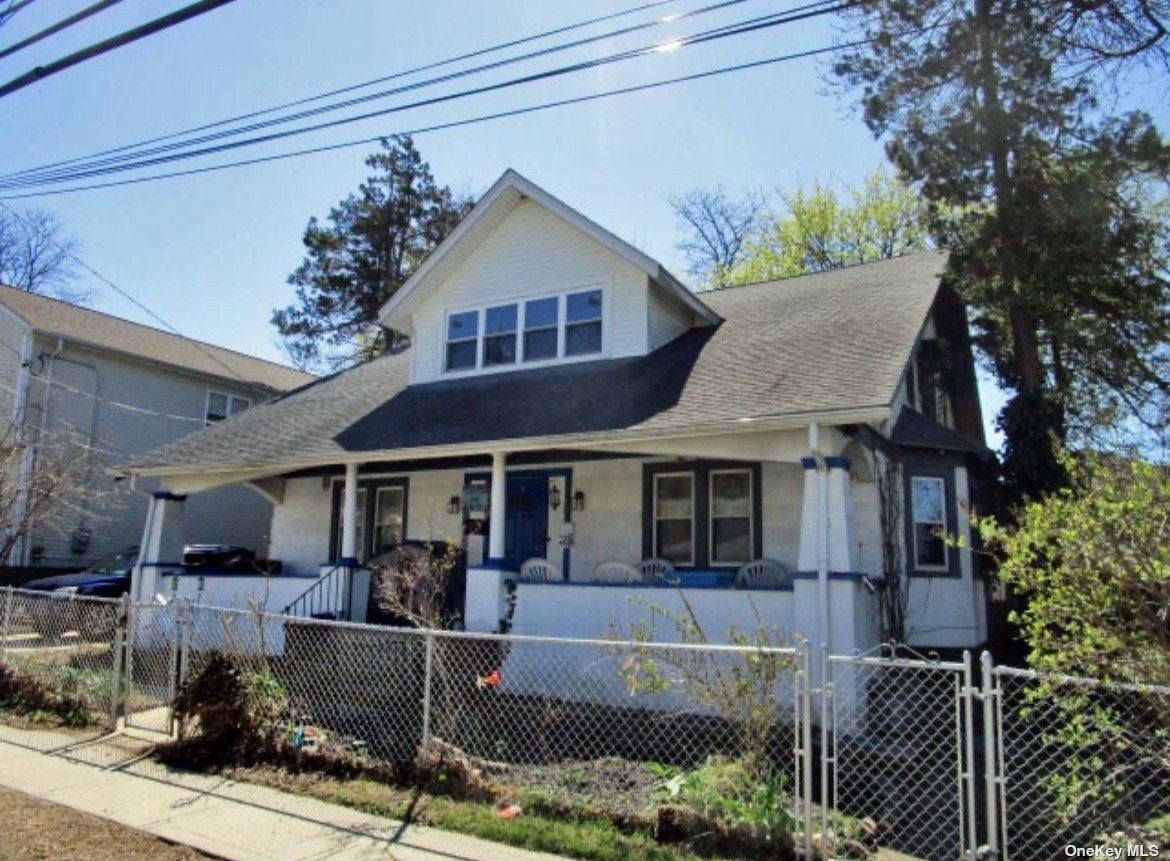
point(626, 417)
point(115, 389)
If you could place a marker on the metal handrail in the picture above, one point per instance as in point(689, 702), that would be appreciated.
point(328, 594)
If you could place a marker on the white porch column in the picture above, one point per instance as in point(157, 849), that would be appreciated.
point(349, 517)
point(162, 544)
point(498, 513)
point(840, 516)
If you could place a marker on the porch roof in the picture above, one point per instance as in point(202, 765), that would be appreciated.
point(802, 349)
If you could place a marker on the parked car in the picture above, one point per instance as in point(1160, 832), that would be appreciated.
point(109, 577)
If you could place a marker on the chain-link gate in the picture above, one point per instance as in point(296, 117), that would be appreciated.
point(154, 655)
point(897, 757)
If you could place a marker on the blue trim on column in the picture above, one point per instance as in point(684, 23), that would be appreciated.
point(808, 462)
point(348, 562)
point(490, 564)
point(837, 462)
point(855, 576)
point(170, 497)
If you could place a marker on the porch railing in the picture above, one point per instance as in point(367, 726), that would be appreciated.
point(328, 598)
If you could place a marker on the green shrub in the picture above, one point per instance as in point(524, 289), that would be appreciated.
point(65, 701)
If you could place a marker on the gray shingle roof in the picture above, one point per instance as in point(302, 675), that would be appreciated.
point(817, 344)
point(84, 325)
point(915, 430)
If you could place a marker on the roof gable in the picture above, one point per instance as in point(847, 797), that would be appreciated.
point(508, 191)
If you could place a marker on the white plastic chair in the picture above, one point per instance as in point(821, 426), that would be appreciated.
point(763, 574)
point(539, 570)
point(653, 570)
point(616, 572)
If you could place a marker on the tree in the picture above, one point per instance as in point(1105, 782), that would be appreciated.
point(819, 228)
point(36, 254)
point(992, 112)
point(372, 242)
point(716, 226)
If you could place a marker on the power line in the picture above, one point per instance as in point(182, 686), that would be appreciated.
point(65, 250)
point(751, 25)
point(637, 88)
point(132, 35)
point(352, 87)
point(93, 162)
point(6, 14)
point(63, 24)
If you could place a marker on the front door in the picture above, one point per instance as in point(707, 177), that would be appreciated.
point(526, 520)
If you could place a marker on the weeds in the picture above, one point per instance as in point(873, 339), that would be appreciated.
point(67, 701)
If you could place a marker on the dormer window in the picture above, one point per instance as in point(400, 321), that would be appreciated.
point(533, 331)
point(583, 323)
point(499, 336)
point(462, 341)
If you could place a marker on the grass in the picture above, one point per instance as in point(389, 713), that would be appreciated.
point(541, 827)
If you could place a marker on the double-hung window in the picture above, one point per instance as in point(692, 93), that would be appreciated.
point(928, 501)
point(541, 329)
point(499, 336)
point(674, 517)
point(731, 516)
point(583, 323)
point(462, 341)
point(220, 406)
point(381, 516)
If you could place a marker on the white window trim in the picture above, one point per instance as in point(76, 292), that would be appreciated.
point(946, 563)
point(561, 295)
point(480, 322)
point(711, 517)
point(690, 476)
point(229, 397)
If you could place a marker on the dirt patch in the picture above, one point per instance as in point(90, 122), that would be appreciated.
point(617, 785)
point(36, 830)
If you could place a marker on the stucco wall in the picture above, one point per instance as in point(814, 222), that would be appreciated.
point(533, 253)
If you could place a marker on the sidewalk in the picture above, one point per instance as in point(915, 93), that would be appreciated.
point(235, 821)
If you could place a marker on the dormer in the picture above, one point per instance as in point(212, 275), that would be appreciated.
point(526, 281)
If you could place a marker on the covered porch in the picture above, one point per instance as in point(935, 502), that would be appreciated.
point(707, 505)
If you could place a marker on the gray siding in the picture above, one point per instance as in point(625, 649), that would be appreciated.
point(117, 407)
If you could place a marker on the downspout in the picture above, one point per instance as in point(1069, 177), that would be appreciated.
point(814, 444)
point(19, 433)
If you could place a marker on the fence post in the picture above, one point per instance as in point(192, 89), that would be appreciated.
point(806, 787)
point(967, 704)
point(828, 753)
point(426, 703)
point(176, 609)
point(118, 646)
point(990, 752)
point(7, 623)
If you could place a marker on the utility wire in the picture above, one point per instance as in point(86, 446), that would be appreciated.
point(8, 12)
point(63, 24)
point(132, 35)
point(637, 88)
point(65, 250)
point(350, 88)
point(38, 174)
point(752, 25)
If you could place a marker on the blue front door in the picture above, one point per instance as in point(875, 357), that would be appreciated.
point(526, 519)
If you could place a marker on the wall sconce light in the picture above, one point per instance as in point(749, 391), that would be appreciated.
point(579, 500)
point(554, 498)
point(454, 504)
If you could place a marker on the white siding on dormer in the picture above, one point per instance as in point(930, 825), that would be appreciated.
point(666, 319)
point(534, 253)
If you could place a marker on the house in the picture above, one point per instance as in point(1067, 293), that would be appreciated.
point(113, 390)
point(565, 397)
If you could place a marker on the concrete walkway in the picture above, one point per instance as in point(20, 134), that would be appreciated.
point(235, 821)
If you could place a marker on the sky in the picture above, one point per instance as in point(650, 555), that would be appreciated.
point(211, 253)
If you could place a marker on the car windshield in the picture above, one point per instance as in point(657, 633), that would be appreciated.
point(116, 563)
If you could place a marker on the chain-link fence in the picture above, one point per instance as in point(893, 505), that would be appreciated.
point(1082, 763)
point(772, 749)
point(60, 666)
